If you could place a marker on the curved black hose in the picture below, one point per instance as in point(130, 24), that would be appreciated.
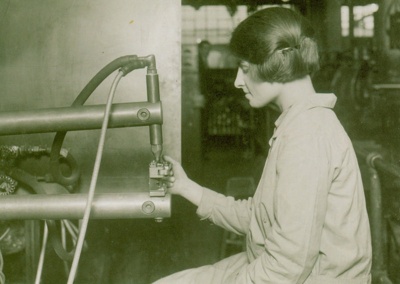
point(55, 239)
point(102, 75)
point(69, 182)
point(128, 62)
point(38, 188)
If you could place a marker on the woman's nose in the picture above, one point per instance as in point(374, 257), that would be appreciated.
point(239, 83)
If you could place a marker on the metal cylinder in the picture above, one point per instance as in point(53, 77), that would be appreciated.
point(153, 96)
point(78, 118)
point(153, 89)
point(375, 162)
point(156, 137)
point(72, 206)
point(376, 220)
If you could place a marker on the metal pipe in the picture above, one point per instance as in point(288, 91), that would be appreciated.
point(385, 86)
point(72, 206)
point(378, 228)
point(79, 118)
point(375, 161)
point(376, 220)
point(153, 96)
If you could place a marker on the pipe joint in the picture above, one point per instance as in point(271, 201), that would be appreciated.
point(150, 62)
point(371, 157)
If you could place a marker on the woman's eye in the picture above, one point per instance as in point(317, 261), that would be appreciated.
point(244, 67)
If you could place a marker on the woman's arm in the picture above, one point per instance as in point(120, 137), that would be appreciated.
point(232, 215)
point(179, 183)
point(293, 237)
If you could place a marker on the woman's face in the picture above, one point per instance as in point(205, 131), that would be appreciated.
point(258, 92)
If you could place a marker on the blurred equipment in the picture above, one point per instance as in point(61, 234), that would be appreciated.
point(382, 191)
point(394, 30)
point(12, 237)
point(226, 117)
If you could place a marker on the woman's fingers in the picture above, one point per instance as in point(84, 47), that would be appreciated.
point(169, 159)
point(169, 181)
point(169, 184)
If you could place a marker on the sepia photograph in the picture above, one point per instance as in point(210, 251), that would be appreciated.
point(200, 141)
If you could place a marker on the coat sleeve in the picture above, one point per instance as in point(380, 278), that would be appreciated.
point(226, 212)
point(300, 201)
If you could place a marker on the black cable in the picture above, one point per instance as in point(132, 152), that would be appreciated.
point(126, 63)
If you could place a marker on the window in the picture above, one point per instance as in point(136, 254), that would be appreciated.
point(363, 20)
point(213, 23)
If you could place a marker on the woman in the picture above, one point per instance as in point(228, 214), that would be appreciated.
point(307, 222)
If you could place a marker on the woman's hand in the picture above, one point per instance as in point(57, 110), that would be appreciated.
point(178, 180)
point(179, 183)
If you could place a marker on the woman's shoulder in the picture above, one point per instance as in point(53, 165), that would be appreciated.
point(313, 121)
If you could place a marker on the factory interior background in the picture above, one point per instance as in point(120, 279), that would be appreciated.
point(50, 50)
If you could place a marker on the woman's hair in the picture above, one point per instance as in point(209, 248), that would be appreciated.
point(280, 42)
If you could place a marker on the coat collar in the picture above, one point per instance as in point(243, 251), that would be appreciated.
point(316, 100)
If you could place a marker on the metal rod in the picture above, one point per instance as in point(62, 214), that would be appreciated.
point(376, 220)
point(378, 226)
point(153, 96)
point(72, 206)
point(376, 161)
point(32, 248)
point(386, 86)
point(79, 118)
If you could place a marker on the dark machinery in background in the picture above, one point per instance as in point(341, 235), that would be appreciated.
point(369, 90)
point(226, 117)
point(366, 80)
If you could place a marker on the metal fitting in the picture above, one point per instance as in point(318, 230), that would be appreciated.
point(157, 171)
point(143, 114)
point(371, 157)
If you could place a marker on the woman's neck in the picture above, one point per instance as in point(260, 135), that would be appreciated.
point(294, 92)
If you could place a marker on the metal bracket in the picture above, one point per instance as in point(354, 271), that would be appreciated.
point(157, 171)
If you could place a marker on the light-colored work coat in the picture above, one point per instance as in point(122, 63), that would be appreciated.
point(307, 222)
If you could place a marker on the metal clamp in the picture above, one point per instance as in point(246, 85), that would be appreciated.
point(157, 171)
